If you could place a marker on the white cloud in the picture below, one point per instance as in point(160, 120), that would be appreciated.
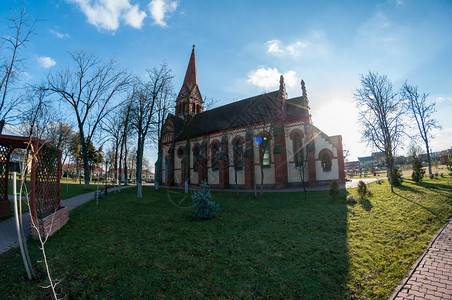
point(159, 8)
point(134, 17)
point(46, 62)
point(443, 99)
point(381, 31)
point(276, 47)
point(315, 44)
point(291, 79)
point(59, 34)
point(269, 78)
point(106, 14)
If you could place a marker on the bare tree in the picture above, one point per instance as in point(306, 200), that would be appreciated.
point(270, 121)
point(422, 111)
point(143, 109)
point(22, 27)
point(380, 116)
point(89, 90)
point(301, 163)
point(115, 135)
point(37, 114)
point(60, 134)
point(414, 150)
point(163, 107)
point(125, 131)
point(209, 103)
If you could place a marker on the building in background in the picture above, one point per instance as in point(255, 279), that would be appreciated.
point(237, 139)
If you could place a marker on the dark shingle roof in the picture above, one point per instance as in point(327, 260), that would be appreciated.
point(240, 113)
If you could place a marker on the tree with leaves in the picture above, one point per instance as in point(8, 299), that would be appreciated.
point(380, 115)
point(418, 171)
point(89, 90)
point(422, 110)
point(93, 155)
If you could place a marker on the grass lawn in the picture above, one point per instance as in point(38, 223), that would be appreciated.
point(280, 246)
point(66, 191)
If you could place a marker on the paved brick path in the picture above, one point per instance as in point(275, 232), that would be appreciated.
point(8, 235)
point(431, 276)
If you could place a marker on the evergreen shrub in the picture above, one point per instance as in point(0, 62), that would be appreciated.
point(397, 176)
point(334, 189)
point(351, 199)
point(418, 172)
point(362, 189)
point(203, 207)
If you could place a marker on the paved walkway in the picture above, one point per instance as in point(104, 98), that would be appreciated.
point(431, 275)
point(8, 235)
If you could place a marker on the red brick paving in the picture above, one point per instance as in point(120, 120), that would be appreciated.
point(431, 276)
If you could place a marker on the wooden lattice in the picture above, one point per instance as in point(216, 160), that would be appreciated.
point(47, 185)
point(4, 166)
point(45, 174)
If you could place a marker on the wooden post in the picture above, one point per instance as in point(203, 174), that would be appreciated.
point(33, 212)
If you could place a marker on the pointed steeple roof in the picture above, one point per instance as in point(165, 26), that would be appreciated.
point(191, 77)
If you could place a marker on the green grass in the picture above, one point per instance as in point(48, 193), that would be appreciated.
point(66, 191)
point(281, 246)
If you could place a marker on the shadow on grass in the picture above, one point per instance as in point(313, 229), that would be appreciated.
point(409, 188)
point(422, 206)
point(281, 244)
point(436, 186)
point(366, 204)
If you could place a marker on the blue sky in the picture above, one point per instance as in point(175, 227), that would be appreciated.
point(243, 46)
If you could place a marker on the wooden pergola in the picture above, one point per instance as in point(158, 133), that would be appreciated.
point(45, 171)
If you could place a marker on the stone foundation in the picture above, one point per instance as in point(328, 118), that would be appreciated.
point(4, 208)
point(50, 224)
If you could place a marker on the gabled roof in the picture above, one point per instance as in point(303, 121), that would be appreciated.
point(241, 113)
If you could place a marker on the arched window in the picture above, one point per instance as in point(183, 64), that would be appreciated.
point(326, 157)
point(297, 150)
point(180, 152)
point(196, 158)
point(265, 150)
point(238, 152)
point(215, 156)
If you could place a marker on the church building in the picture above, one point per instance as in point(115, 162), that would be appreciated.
point(266, 138)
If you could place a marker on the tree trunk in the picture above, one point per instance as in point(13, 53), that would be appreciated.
point(85, 160)
point(158, 169)
point(262, 179)
point(116, 164)
point(390, 171)
point(302, 170)
point(139, 165)
point(187, 166)
point(120, 165)
point(429, 159)
point(253, 169)
point(125, 161)
point(236, 184)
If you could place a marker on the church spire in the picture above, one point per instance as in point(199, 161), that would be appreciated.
point(191, 77)
point(306, 107)
point(189, 100)
point(282, 88)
